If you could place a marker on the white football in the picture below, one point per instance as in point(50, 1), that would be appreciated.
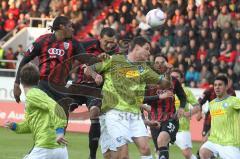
point(155, 17)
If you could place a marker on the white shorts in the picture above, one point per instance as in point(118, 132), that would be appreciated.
point(183, 140)
point(44, 153)
point(224, 152)
point(106, 142)
point(123, 126)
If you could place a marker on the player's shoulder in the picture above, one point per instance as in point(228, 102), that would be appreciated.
point(44, 37)
point(187, 90)
point(35, 92)
point(233, 99)
point(213, 101)
point(93, 42)
point(118, 57)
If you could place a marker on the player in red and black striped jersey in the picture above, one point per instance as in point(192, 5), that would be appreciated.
point(55, 52)
point(105, 45)
point(163, 111)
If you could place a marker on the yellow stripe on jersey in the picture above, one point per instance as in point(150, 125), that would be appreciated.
point(217, 112)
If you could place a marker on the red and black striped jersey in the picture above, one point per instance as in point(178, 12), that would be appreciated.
point(91, 46)
point(164, 109)
point(55, 57)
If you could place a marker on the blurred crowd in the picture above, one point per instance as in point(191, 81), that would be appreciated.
point(15, 13)
point(200, 37)
point(18, 12)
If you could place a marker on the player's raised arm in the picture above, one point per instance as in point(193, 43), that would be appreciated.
point(31, 53)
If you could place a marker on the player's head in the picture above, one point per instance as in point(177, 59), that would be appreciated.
point(29, 75)
point(62, 25)
point(177, 73)
point(221, 85)
point(160, 63)
point(108, 40)
point(140, 48)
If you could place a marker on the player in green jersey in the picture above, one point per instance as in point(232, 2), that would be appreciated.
point(44, 118)
point(224, 139)
point(183, 137)
point(125, 78)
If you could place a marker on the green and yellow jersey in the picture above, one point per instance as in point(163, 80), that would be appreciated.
point(124, 83)
point(43, 117)
point(225, 121)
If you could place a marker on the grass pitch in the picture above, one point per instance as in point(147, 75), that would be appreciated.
point(15, 146)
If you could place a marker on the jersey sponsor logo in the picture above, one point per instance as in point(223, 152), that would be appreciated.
point(66, 45)
point(132, 74)
point(217, 112)
point(54, 51)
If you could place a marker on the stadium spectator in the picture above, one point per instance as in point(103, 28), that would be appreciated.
point(192, 75)
point(201, 52)
point(228, 55)
point(167, 48)
point(223, 17)
point(10, 23)
point(211, 23)
point(9, 55)
point(13, 9)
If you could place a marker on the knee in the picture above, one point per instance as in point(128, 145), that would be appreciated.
point(94, 112)
point(187, 153)
point(203, 153)
point(145, 150)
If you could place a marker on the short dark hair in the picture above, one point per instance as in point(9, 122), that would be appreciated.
point(178, 71)
point(29, 75)
point(139, 40)
point(60, 20)
point(222, 78)
point(160, 55)
point(110, 32)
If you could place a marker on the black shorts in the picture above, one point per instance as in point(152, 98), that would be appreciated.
point(171, 126)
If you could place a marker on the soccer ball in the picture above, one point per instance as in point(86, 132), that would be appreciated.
point(155, 17)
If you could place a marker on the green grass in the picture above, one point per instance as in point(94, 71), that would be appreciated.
point(15, 146)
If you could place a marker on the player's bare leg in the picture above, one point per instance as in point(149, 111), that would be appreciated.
point(143, 147)
point(107, 155)
point(121, 153)
point(187, 153)
point(205, 153)
point(163, 141)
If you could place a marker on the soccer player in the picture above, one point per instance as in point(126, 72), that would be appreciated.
point(52, 50)
point(163, 111)
point(208, 95)
point(224, 139)
point(44, 118)
point(106, 44)
point(125, 78)
point(183, 138)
